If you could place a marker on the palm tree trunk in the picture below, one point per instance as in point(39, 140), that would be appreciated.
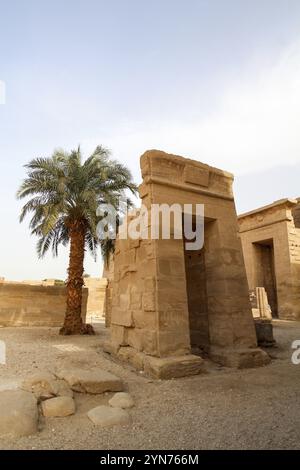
point(73, 323)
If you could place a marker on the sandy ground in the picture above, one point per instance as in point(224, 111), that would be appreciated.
point(224, 408)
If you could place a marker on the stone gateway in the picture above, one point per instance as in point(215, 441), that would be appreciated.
point(171, 307)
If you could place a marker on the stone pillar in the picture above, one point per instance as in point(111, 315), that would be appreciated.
point(232, 331)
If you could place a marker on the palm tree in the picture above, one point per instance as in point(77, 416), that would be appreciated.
point(65, 193)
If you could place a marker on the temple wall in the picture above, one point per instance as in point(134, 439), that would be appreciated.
point(35, 304)
point(273, 227)
point(154, 311)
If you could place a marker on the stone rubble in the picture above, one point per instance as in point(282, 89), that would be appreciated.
point(19, 407)
point(45, 385)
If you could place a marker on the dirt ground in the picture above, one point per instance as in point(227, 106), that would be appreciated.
point(222, 409)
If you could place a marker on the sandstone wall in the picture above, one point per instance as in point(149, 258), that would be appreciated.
point(296, 214)
point(274, 224)
point(153, 310)
point(29, 305)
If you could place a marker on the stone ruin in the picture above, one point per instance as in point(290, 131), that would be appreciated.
point(270, 239)
point(262, 315)
point(260, 304)
point(169, 307)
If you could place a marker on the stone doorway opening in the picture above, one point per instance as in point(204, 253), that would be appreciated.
point(265, 272)
point(196, 289)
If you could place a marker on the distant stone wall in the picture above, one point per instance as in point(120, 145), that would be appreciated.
point(34, 305)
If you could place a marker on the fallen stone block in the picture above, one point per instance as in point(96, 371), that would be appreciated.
point(105, 416)
point(44, 385)
point(91, 381)
point(58, 407)
point(173, 367)
point(18, 414)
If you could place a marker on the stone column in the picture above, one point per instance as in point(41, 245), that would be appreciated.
point(231, 326)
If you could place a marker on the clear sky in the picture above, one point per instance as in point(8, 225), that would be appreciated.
point(215, 80)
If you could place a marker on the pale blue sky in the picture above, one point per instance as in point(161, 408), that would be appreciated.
point(216, 80)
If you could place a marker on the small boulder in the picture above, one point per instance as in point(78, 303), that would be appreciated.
point(42, 384)
point(58, 407)
point(105, 416)
point(91, 381)
point(121, 400)
point(18, 414)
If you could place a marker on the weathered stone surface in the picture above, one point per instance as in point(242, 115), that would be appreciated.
point(169, 367)
point(63, 389)
point(43, 303)
point(58, 407)
point(179, 297)
point(240, 358)
point(91, 381)
point(270, 237)
point(121, 400)
point(18, 414)
point(131, 355)
point(144, 340)
point(25, 304)
point(105, 416)
point(110, 348)
point(44, 385)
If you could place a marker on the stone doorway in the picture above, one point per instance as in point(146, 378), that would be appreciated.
point(196, 290)
point(264, 257)
point(168, 302)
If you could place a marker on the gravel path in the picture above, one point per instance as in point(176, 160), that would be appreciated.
point(255, 408)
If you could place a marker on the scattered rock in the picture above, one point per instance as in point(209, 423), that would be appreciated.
point(18, 414)
point(104, 416)
point(44, 385)
point(121, 400)
point(58, 407)
point(91, 381)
